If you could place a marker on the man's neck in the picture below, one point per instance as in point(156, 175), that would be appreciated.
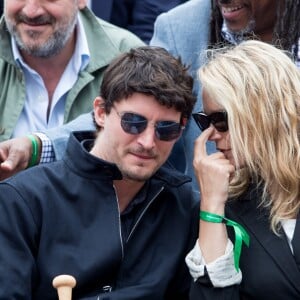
point(126, 191)
point(237, 37)
point(265, 36)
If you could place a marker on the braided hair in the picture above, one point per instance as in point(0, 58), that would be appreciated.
point(287, 28)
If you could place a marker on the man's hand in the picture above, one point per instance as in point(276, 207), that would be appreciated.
point(14, 156)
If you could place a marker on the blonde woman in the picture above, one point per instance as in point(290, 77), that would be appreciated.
point(249, 234)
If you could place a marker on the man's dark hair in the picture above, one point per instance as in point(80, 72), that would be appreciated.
point(151, 71)
point(286, 31)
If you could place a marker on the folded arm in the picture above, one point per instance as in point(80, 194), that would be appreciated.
point(15, 154)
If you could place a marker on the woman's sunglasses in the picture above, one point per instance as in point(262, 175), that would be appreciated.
point(217, 119)
point(135, 124)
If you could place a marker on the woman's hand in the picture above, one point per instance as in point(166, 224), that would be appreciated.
point(213, 173)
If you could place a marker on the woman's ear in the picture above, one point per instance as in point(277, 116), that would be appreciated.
point(99, 111)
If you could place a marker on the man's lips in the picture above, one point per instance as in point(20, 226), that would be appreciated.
point(232, 12)
point(35, 23)
point(38, 21)
point(226, 10)
point(142, 156)
point(33, 26)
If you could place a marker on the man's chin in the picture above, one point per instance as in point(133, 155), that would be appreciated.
point(137, 175)
point(237, 30)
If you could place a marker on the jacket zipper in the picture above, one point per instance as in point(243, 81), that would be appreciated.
point(119, 218)
point(142, 214)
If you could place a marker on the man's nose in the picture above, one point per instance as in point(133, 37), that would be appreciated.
point(32, 8)
point(147, 137)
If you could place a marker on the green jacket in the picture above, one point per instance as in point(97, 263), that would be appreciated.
point(105, 42)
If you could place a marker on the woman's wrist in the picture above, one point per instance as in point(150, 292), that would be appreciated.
point(241, 235)
point(215, 208)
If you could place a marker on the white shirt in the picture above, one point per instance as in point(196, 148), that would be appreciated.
point(34, 114)
point(89, 3)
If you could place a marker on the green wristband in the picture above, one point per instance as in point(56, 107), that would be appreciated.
point(241, 234)
point(35, 151)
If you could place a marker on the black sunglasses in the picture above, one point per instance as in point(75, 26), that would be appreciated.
point(218, 119)
point(135, 124)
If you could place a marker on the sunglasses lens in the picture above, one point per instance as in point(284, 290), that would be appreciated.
point(168, 130)
point(219, 120)
point(202, 120)
point(133, 123)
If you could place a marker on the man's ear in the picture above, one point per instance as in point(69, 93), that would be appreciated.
point(99, 111)
point(184, 121)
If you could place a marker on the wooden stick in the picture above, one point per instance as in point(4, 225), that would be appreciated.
point(64, 285)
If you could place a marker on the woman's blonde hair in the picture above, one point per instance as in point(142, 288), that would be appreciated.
point(259, 87)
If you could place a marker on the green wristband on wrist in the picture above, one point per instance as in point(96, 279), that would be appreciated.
point(241, 234)
point(35, 151)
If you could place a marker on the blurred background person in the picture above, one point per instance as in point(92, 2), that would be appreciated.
point(138, 16)
point(52, 58)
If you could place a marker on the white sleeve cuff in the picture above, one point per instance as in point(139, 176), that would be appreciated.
point(221, 272)
point(47, 151)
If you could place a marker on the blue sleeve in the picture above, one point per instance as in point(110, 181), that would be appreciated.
point(163, 35)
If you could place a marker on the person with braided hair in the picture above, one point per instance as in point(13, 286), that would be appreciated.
point(283, 29)
point(185, 31)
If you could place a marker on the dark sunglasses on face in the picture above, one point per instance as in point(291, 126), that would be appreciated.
point(133, 123)
point(217, 119)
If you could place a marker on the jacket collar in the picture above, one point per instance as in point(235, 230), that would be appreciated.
point(5, 42)
point(96, 31)
point(256, 222)
point(87, 165)
point(170, 175)
point(92, 167)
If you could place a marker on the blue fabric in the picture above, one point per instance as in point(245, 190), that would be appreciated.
point(184, 32)
point(138, 16)
point(102, 9)
point(59, 136)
